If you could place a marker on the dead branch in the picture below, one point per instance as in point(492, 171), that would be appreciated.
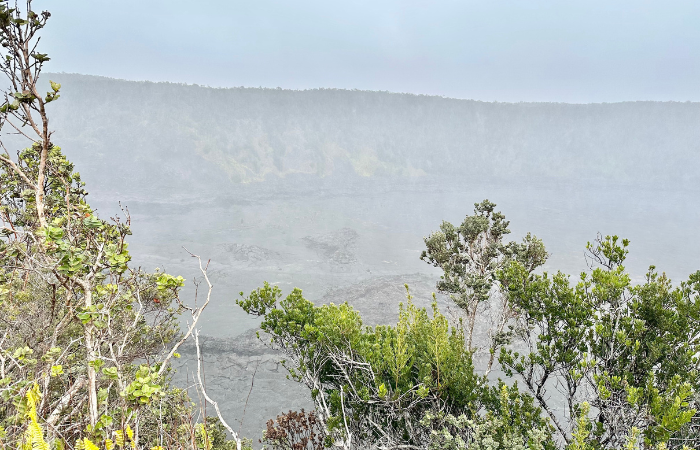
point(208, 399)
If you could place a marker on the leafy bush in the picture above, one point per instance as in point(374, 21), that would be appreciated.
point(622, 357)
point(502, 428)
point(375, 385)
point(629, 351)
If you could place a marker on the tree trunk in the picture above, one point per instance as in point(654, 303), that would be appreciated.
point(91, 357)
point(472, 322)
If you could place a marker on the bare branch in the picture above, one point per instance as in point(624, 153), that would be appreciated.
point(63, 402)
point(196, 313)
point(206, 396)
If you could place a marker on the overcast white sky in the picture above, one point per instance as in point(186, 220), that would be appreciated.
point(525, 50)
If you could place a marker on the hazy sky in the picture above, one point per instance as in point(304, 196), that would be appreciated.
point(529, 50)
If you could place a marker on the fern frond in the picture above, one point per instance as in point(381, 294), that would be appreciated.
point(130, 434)
point(119, 436)
point(34, 435)
point(89, 445)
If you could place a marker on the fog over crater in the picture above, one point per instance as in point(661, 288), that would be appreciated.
point(332, 191)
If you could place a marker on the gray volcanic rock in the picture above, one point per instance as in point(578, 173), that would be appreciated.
point(336, 248)
point(378, 298)
point(249, 253)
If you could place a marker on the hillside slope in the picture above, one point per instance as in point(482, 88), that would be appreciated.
point(171, 137)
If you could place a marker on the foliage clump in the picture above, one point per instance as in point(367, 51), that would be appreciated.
point(604, 363)
point(377, 385)
point(629, 352)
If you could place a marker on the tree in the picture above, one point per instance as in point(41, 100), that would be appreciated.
point(629, 352)
point(470, 255)
point(91, 336)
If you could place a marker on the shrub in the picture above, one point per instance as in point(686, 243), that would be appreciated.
point(295, 431)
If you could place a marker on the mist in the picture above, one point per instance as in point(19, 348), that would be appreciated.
point(333, 191)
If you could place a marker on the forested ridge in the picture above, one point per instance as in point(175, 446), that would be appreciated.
point(245, 134)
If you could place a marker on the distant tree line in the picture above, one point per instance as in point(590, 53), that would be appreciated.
point(167, 133)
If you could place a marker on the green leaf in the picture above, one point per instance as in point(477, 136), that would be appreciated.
point(41, 57)
point(169, 282)
point(110, 372)
point(96, 364)
point(92, 222)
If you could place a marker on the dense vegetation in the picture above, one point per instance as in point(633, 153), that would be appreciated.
point(86, 340)
point(596, 364)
